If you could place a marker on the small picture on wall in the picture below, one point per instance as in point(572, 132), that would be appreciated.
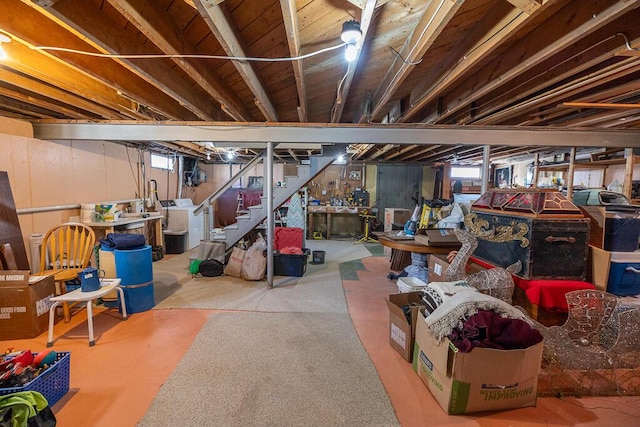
point(502, 177)
point(354, 176)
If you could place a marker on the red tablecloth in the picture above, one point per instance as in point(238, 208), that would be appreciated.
point(545, 293)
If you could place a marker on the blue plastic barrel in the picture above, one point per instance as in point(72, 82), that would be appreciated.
point(134, 266)
point(135, 269)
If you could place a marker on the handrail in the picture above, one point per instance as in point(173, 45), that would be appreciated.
point(213, 197)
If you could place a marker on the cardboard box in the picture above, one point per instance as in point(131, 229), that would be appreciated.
point(401, 333)
point(476, 381)
point(394, 216)
point(438, 264)
point(437, 237)
point(24, 304)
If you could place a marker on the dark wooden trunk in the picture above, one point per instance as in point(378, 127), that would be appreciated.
point(540, 228)
point(550, 249)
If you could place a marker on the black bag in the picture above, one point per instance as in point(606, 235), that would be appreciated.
point(211, 268)
point(123, 241)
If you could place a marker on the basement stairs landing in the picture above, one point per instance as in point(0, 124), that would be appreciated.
point(245, 223)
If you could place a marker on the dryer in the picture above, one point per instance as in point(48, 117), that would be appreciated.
point(180, 217)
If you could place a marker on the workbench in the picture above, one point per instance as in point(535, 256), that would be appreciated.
point(334, 211)
point(154, 219)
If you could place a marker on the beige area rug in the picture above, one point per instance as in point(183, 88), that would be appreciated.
point(274, 369)
point(318, 290)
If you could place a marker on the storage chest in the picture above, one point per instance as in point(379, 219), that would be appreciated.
point(543, 230)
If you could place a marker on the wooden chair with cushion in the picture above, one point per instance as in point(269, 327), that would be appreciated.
point(66, 250)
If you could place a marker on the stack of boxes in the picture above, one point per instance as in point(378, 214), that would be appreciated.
point(613, 247)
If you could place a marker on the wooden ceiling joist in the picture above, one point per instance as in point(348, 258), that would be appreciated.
point(214, 16)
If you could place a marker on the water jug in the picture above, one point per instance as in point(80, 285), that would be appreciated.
point(89, 279)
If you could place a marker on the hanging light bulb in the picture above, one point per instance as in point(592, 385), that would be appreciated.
point(3, 39)
point(351, 34)
point(351, 52)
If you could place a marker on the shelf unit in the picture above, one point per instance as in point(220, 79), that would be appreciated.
point(596, 164)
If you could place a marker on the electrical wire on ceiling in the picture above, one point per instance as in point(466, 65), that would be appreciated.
point(405, 61)
point(194, 56)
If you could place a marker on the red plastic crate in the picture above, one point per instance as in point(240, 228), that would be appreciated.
point(287, 237)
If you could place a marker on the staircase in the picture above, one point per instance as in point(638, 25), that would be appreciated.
point(231, 234)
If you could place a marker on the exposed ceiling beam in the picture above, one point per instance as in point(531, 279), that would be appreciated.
point(620, 70)
point(343, 91)
point(433, 20)
point(43, 68)
point(99, 32)
point(74, 103)
point(156, 26)
point(48, 32)
point(527, 6)
point(290, 17)
point(592, 18)
point(214, 16)
point(233, 133)
point(599, 105)
point(361, 3)
point(487, 35)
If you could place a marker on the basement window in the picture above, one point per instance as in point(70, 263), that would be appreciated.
point(162, 162)
point(468, 172)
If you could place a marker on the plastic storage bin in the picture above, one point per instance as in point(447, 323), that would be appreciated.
point(175, 241)
point(135, 268)
point(622, 232)
point(624, 274)
point(53, 383)
point(290, 264)
point(287, 237)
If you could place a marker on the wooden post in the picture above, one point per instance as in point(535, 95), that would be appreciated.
point(628, 172)
point(572, 166)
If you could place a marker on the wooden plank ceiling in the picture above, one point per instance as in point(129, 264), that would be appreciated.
point(563, 64)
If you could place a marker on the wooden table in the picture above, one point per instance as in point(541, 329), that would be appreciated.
point(401, 250)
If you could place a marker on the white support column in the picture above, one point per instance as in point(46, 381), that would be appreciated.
point(270, 219)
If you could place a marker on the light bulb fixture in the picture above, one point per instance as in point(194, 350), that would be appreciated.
point(351, 34)
point(230, 155)
point(351, 52)
point(3, 39)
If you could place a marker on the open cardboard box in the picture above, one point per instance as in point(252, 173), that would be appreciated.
point(438, 264)
point(25, 301)
point(482, 380)
point(401, 332)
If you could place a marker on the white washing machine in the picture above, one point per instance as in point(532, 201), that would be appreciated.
point(180, 217)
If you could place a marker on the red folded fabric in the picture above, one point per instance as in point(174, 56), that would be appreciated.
point(545, 293)
point(490, 330)
point(291, 250)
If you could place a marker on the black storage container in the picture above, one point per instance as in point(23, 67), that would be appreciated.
point(290, 264)
point(175, 241)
